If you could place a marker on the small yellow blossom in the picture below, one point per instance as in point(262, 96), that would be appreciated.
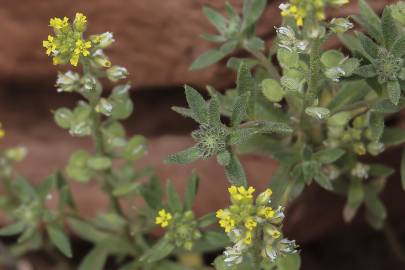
point(248, 238)
point(58, 23)
point(163, 218)
point(80, 21)
point(2, 132)
point(266, 212)
point(241, 193)
point(227, 223)
point(274, 233)
point(82, 47)
point(49, 45)
point(250, 223)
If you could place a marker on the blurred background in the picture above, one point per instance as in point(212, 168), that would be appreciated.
point(156, 41)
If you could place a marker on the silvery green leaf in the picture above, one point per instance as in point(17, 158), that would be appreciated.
point(59, 239)
point(99, 163)
point(366, 71)
point(289, 262)
point(135, 148)
point(323, 181)
point(197, 104)
point(349, 93)
point(370, 21)
point(375, 205)
point(235, 172)
point(376, 125)
point(186, 156)
point(385, 106)
point(63, 117)
point(287, 58)
point(77, 166)
point(95, 259)
point(393, 136)
point(252, 10)
point(398, 48)
point(191, 190)
point(224, 158)
point(239, 110)
point(332, 58)
point(350, 65)
point(368, 45)
point(327, 156)
point(241, 135)
point(173, 198)
point(207, 59)
point(214, 117)
point(272, 90)
point(12, 229)
point(318, 113)
point(394, 91)
point(290, 83)
point(216, 19)
point(213, 38)
point(389, 28)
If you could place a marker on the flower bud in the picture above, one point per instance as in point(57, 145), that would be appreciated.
point(101, 59)
point(340, 25)
point(271, 231)
point(360, 170)
point(67, 82)
point(359, 149)
point(116, 73)
point(17, 153)
point(264, 197)
point(375, 148)
point(104, 40)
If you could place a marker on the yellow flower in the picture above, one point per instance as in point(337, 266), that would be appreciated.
point(241, 193)
point(267, 212)
point(246, 193)
point(80, 21)
point(248, 238)
point(163, 218)
point(58, 23)
point(273, 232)
point(49, 45)
point(227, 223)
point(82, 46)
point(2, 132)
point(250, 223)
point(73, 60)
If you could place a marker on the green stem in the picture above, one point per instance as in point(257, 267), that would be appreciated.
point(314, 71)
point(265, 62)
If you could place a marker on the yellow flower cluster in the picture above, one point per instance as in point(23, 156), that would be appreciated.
point(67, 45)
point(300, 9)
point(163, 218)
point(2, 132)
point(244, 215)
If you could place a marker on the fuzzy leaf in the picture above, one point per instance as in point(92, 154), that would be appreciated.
point(173, 198)
point(197, 104)
point(272, 90)
point(319, 113)
point(12, 229)
point(274, 127)
point(186, 156)
point(385, 106)
point(376, 125)
point(375, 205)
point(95, 259)
point(224, 158)
point(207, 59)
point(389, 28)
point(239, 110)
point(398, 48)
point(207, 220)
point(241, 135)
point(245, 83)
point(349, 93)
point(252, 10)
point(191, 191)
point(159, 251)
point(323, 181)
point(368, 45)
point(152, 193)
point(235, 172)
point(214, 117)
point(393, 136)
point(289, 262)
point(370, 21)
point(215, 18)
point(366, 71)
point(328, 156)
point(394, 91)
point(99, 163)
point(59, 239)
point(355, 194)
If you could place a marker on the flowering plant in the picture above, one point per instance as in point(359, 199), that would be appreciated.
point(317, 112)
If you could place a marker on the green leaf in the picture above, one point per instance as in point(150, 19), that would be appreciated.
point(77, 166)
point(197, 104)
point(173, 199)
point(289, 262)
point(394, 91)
point(398, 48)
point(375, 205)
point(207, 220)
point(376, 125)
point(99, 163)
point(95, 259)
point(245, 83)
point(86, 230)
point(159, 251)
point(214, 117)
point(319, 113)
point(13, 229)
point(216, 19)
point(389, 28)
point(349, 66)
point(368, 45)
point(191, 191)
point(332, 58)
point(288, 58)
point(355, 194)
point(366, 71)
point(351, 42)
point(186, 156)
point(207, 59)
point(135, 148)
point(349, 93)
point(272, 90)
point(323, 181)
point(235, 172)
point(241, 135)
point(252, 11)
point(125, 189)
point(224, 158)
point(59, 239)
point(393, 136)
point(370, 21)
point(239, 110)
point(403, 169)
point(23, 189)
point(385, 106)
point(328, 156)
point(63, 117)
point(46, 186)
point(152, 193)
point(213, 38)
